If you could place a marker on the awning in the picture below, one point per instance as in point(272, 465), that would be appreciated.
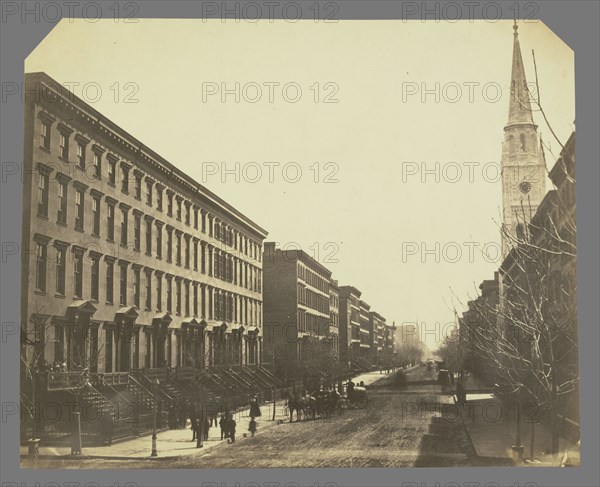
point(127, 312)
point(162, 318)
point(81, 306)
point(236, 327)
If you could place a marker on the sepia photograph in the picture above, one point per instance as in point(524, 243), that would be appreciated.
point(309, 243)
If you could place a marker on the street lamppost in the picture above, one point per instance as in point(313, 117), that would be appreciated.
point(154, 450)
point(518, 448)
point(34, 442)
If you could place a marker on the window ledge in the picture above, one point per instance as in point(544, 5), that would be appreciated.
point(45, 149)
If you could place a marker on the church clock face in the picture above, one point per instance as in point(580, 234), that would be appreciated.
point(525, 187)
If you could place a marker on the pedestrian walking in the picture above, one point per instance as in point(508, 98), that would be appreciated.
point(252, 426)
point(254, 407)
point(231, 424)
point(223, 425)
point(461, 395)
point(193, 423)
point(207, 425)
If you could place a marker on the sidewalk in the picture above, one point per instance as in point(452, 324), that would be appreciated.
point(492, 428)
point(171, 444)
point(174, 444)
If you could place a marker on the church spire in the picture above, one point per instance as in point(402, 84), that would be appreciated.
point(519, 109)
point(523, 165)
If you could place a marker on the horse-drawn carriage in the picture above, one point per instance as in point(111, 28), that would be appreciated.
point(358, 399)
point(325, 403)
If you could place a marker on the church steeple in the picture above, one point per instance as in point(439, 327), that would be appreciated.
point(523, 165)
point(519, 108)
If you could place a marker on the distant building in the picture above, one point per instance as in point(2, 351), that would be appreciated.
point(377, 337)
point(297, 312)
point(349, 325)
point(334, 317)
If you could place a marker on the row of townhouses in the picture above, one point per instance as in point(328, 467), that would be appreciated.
point(139, 284)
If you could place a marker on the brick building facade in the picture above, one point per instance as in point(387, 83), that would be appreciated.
point(128, 263)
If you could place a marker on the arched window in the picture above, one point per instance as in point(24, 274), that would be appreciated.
point(511, 144)
point(523, 142)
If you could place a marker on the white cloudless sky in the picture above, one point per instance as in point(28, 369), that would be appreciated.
point(361, 224)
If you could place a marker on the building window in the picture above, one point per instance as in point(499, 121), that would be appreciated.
point(169, 245)
point(110, 280)
point(169, 297)
point(124, 179)
point(158, 292)
point(45, 133)
point(136, 287)
point(159, 241)
point(178, 249)
point(97, 165)
point(178, 209)
point(148, 290)
point(178, 297)
point(149, 193)
point(196, 218)
point(81, 155)
point(187, 253)
point(44, 181)
point(110, 222)
point(60, 271)
point(62, 202)
point(523, 142)
point(79, 209)
point(40, 267)
point(123, 227)
point(63, 148)
point(203, 222)
point(95, 274)
point(195, 300)
point(195, 255)
point(112, 172)
point(187, 214)
point(78, 274)
point(159, 199)
point(123, 285)
point(187, 299)
point(96, 214)
point(138, 186)
point(148, 237)
point(169, 204)
point(137, 223)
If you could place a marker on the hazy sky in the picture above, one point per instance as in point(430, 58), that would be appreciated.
point(374, 221)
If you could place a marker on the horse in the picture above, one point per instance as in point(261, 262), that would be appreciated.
point(303, 405)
